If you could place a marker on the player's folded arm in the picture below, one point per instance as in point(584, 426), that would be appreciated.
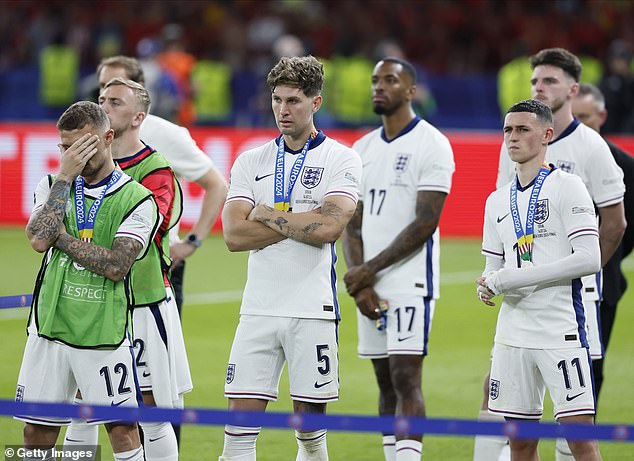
point(241, 234)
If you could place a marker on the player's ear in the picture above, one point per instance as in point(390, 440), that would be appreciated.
point(108, 137)
point(548, 135)
point(138, 118)
point(317, 100)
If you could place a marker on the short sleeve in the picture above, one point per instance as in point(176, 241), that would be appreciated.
point(176, 144)
point(346, 176)
point(437, 167)
point(492, 244)
point(40, 196)
point(605, 177)
point(140, 224)
point(577, 209)
point(240, 186)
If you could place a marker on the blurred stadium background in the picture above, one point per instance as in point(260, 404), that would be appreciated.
point(205, 63)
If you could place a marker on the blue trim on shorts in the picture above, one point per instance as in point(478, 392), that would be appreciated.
point(426, 317)
point(137, 388)
point(158, 318)
point(577, 303)
point(430, 267)
point(333, 281)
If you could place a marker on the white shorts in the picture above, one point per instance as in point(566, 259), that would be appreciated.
point(52, 372)
point(520, 376)
point(161, 358)
point(593, 328)
point(263, 344)
point(407, 329)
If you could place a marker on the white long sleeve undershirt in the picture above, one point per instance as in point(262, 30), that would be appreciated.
point(584, 260)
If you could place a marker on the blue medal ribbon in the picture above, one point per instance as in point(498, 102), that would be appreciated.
point(525, 239)
point(86, 225)
point(282, 201)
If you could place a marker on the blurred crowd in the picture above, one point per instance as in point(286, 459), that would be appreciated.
point(441, 37)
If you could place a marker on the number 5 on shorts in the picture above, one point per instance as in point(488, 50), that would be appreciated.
point(323, 358)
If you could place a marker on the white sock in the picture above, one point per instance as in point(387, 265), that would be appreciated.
point(408, 450)
point(79, 433)
point(159, 442)
point(132, 455)
point(562, 451)
point(239, 443)
point(311, 446)
point(487, 448)
point(506, 453)
point(389, 447)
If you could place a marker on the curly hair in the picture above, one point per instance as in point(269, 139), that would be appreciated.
point(305, 73)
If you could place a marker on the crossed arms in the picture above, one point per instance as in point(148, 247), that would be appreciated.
point(246, 227)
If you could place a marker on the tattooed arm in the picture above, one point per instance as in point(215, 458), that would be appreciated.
point(429, 205)
point(112, 263)
point(44, 225)
point(241, 234)
point(314, 228)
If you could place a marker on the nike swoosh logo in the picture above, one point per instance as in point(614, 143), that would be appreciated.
point(73, 440)
point(158, 438)
point(569, 398)
point(146, 374)
point(403, 339)
point(112, 404)
point(318, 385)
point(258, 178)
point(503, 217)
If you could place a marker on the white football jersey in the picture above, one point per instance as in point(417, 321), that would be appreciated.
point(179, 148)
point(291, 278)
point(581, 151)
point(550, 316)
point(418, 159)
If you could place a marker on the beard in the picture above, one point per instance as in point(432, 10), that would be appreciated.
point(381, 109)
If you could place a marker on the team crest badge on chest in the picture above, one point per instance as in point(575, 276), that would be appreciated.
point(541, 211)
point(565, 165)
point(311, 176)
point(401, 163)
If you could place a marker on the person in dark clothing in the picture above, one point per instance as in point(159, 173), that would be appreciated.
point(589, 107)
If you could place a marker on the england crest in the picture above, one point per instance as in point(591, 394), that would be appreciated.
point(19, 393)
point(541, 211)
point(565, 165)
point(311, 176)
point(494, 389)
point(231, 373)
point(401, 163)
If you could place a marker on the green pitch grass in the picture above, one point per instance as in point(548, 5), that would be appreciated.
point(452, 377)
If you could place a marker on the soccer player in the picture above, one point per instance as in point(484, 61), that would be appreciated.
point(161, 360)
point(589, 108)
point(186, 159)
point(540, 237)
point(92, 221)
point(579, 150)
point(391, 246)
point(289, 200)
